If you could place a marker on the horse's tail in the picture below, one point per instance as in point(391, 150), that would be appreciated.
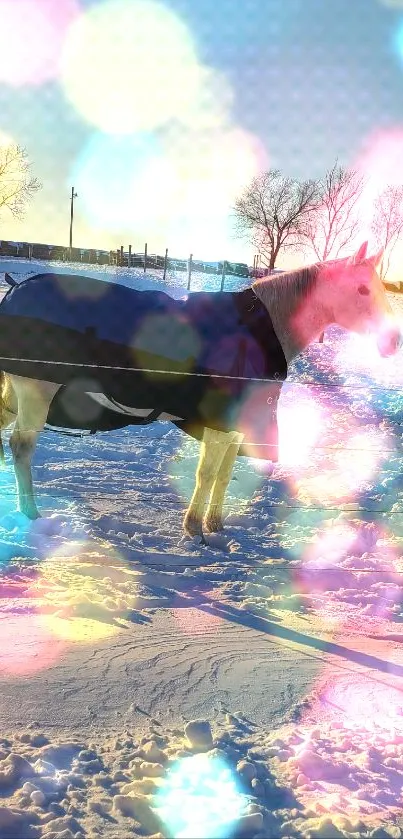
point(3, 384)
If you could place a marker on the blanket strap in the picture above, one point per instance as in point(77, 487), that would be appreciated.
point(57, 430)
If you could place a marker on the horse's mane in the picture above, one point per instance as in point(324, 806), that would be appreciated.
point(289, 287)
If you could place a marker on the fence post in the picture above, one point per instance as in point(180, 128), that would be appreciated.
point(29, 252)
point(145, 257)
point(130, 256)
point(222, 276)
point(189, 270)
point(121, 255)
point(165, 264)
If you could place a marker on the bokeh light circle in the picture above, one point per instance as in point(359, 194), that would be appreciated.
point(201, 798)
point(32, 36)
point(129, 65)
point(28, 644)
point(84, 591)
point(380, 163)
point(180, 185)
point(296, 449)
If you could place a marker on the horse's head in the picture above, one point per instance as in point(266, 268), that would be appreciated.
point(358, 299)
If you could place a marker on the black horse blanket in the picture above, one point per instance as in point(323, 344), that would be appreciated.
point(129, 357)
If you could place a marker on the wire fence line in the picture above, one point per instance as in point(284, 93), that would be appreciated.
point(276, 380)
point(288, 382)
point(180, 503)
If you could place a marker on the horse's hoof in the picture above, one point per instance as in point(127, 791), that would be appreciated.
point(192, 526)
point(213, 525)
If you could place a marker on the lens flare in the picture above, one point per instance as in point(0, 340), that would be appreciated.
point(27, 644)
point(344, 755)
point(256, 418)
point(207, 164)
point(168, 336)
point(359, 354)
point(300, 424)
point(351, 575)
point(164, 184)
point(201, 798)
point(381, 165)
point(346, 471)
point(130, 65)
point(33, 33)
point(83, 593)
point(211, 110)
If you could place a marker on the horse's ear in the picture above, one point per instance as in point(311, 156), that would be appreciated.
point(359, 256)
point(377, 259)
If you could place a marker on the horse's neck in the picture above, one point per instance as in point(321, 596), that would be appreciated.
point(297, 316)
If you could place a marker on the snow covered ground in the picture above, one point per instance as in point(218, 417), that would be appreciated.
point(283, 637)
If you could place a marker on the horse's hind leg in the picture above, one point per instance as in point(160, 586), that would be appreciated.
point(213, 520)
point(34, 398)
point(213, 448)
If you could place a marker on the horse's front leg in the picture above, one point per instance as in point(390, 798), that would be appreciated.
point(213, 449)
point(34, 399)
point(213, 520)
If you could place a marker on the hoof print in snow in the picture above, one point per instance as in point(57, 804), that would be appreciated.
point(198, 733)
point(217, 541)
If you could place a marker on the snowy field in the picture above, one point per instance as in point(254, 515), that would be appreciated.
point(282, 638)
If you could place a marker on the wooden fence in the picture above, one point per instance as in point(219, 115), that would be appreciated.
point(126, 259)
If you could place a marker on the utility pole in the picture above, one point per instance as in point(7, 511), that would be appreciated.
point(73, 196)
point(190, 261)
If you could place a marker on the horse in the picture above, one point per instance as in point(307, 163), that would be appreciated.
point(299, 304)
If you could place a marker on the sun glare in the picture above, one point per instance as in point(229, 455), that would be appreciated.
point(32, 36)
point(296, 447)
point(130, 65)
point(381, 165)
point(180, 184)
point(201, 797)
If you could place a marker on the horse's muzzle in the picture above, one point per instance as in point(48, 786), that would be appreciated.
point(389, 341)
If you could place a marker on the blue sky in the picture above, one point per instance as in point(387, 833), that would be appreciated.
point(297, 82)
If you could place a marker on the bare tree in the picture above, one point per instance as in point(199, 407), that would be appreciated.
point(334, 223)
point(17, 185)
point(387, 223)
point(271, 213)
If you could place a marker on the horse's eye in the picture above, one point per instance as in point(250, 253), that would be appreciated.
point(363, 289)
